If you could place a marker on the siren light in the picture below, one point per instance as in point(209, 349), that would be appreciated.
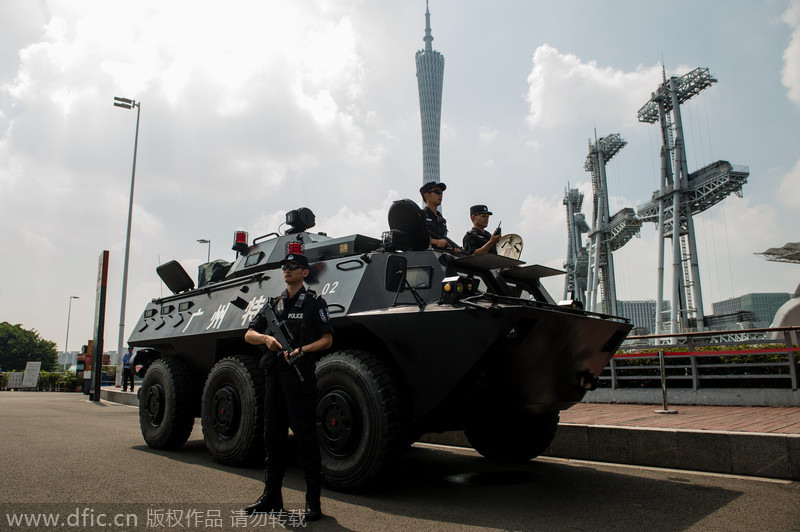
point(294, 248)
point(240, 241)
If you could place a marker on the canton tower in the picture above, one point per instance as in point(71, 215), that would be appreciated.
point(430, 73)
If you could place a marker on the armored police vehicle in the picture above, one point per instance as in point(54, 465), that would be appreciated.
point(424, 342)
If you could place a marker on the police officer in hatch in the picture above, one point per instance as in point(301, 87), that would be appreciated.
point(478, 240)
point(288, 401)
point(434, 221)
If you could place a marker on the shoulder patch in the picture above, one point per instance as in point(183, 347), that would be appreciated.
point(323, 314)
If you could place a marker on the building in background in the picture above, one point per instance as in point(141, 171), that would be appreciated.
point(762, 305)
point(642, 314)
point(741, 319)
point(430, 75)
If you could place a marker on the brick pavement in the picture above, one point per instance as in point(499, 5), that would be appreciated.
point(763, 419)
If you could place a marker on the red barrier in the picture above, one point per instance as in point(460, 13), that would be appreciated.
point(710, 353)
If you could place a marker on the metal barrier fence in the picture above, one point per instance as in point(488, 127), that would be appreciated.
point(687, 358)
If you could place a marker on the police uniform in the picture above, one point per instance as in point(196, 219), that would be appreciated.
point(434, 221)
point(476, 239)
point(436, 224)
point(288, 402)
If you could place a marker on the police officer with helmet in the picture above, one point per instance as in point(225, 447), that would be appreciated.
point(290, 401)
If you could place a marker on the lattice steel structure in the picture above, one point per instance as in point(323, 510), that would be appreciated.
point(692, 193)
point(577, 263)
point(430, 75)
point(790, 252)
point(608, 233)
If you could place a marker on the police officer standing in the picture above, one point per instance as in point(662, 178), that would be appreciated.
point(478, 240)
point(288, 401)
point(434, 221)
point(127, 369)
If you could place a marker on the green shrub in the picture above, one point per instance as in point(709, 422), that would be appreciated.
point(111, 372)
point(48, 380)
point(68, 382)
point(736, 368)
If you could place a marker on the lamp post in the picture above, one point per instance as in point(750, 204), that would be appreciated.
point(66, 341)
point(206, 241)
point(125, 103)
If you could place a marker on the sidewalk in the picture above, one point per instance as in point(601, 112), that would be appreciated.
point(764, 419)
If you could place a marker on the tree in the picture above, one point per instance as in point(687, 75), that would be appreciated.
point(19, 345)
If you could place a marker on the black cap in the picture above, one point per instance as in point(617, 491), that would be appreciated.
point(479, 209)
point(427, 186)
point(296, 258)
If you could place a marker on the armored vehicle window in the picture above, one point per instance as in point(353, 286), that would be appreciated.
point(419, 276)
point(253, 259)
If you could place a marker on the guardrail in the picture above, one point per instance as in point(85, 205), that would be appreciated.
point(763, 356)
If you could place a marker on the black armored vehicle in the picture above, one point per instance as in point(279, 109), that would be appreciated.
point(423, 342)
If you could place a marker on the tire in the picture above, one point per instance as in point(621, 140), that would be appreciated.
point(232, 411)
point(166, 413)
point(512, 437)
point(361, 424)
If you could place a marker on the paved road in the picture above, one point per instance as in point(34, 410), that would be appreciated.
point(62, 454)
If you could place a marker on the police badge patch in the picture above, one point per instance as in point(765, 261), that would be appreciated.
point(323, 314)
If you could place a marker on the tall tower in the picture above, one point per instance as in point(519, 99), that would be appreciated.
point(430, 73)
point(608, 233)
point(577, 262)
point(681, 197)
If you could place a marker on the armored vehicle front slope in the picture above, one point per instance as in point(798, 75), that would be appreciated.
point(423, 342)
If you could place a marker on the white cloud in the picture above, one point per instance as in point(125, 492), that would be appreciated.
point(487, 134)
point(269, 172)
point(562, 89)
point(371, 222)
point(283, 62)
point(788, 191)
point(540, 215)
point(791, 55)
point(542, 225)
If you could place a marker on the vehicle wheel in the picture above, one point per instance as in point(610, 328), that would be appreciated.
point(166, 415)
point(232, 411)
point(513, 437)
point(361, 424)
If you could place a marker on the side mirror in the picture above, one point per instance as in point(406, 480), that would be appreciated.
point(396, 267)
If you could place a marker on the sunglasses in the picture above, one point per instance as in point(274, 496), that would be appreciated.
point(436, 191)
point(290, 267)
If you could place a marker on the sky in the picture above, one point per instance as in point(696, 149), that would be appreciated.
point(253, 108)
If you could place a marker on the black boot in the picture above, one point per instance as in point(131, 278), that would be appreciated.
point(313, 504)
point(270, 501)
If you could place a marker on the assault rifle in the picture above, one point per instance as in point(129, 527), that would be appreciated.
point(281, 333)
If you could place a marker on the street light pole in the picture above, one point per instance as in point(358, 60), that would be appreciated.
point(66, 341)
point(125, 103)
point(206, 241)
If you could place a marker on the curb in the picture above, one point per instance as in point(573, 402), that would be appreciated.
point(736, 453)
point(114, 395)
